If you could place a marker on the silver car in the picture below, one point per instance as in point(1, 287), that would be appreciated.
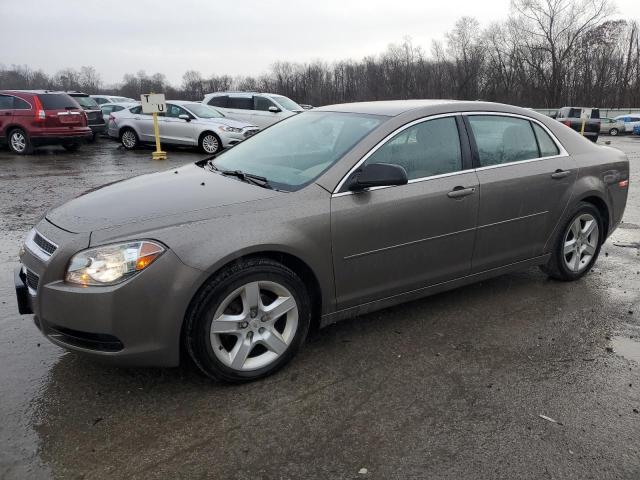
point(261, 109)
point(109, 108)
point(101, 99)
point(184, 123)
point(330, 214)
point(611, 126)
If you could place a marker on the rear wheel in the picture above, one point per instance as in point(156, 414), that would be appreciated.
point(19, 142)
point(577, 245)
point(210, 143)
point(248, 322)
point(613, 132)
point(129, 139)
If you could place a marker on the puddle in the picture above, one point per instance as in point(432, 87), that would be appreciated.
point(627, 348)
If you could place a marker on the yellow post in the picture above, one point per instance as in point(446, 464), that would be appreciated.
point(158, 154)
point(584, 121)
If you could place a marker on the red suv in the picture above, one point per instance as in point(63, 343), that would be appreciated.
point(30, 118)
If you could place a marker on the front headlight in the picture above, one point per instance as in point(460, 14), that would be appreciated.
point(226, 128)
point(111, 264)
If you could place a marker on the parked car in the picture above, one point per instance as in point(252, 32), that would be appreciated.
point(32, 118)
point(109, 108)
point(336, 212)
point(184, 123)
point(572, 117)
point(261, 109)
point(92, 109)
point(102, 99)
point(611, 126)
point(636, 130)
point(630, 121)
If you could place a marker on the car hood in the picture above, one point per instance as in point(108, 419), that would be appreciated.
point(171, 193)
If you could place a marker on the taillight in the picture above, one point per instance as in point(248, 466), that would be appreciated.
point(623, 183)
point(40, 115)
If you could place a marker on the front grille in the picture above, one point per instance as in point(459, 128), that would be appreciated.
point(44, 244)
point(32, 280)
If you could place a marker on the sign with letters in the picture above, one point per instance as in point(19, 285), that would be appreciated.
point(153, 103)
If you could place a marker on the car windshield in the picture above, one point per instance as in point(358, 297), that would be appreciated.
point(287, 103)
point(203, 111)
point(86, 101)
point(296, 151)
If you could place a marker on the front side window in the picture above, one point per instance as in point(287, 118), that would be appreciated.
point(294, 152)
point(242, 103)
point(100, 100)
point(174, 111)
point(502, 139)
point(423, 150)
point(261, 103)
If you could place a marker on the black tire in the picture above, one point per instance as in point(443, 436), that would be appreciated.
point(208, 150)
point(19, 142)
point(556, 268)
point(614, 132)
point(204, 305)
point(71, 147)
point(129, 138)
point(93, 138)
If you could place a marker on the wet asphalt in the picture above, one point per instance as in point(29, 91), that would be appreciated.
point(452, 386)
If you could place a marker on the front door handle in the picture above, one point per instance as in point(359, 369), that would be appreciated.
point(560, 174)
point(460, 192)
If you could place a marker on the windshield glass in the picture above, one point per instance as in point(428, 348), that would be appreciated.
point(86, 102)
point(296, 151)
point(287, 103)
point(203, 111)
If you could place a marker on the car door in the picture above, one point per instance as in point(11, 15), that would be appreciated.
point(6, 112)
point(391, 240)
point(174, 129)
point(525, 178)
point(261, 116)
point(143, 124)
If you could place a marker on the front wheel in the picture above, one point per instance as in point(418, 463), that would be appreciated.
point(613, 132)
point(248, 321)
point(210, 143)
point(577, 246)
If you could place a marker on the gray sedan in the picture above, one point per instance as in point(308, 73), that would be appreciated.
point(329, 214)
point(184, 123)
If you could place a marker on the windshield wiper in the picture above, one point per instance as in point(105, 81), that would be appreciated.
point(246, 177)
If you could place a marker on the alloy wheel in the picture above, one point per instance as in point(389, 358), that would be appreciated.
point(18, 142)
point(254, 325)
point(210, 144)
point(129, 139)
point(581, 242)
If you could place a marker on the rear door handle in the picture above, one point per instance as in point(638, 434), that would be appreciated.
point(460, 192)
point(560, 174)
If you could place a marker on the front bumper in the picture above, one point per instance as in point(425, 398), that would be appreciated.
point(135, 323)
point(229, 139)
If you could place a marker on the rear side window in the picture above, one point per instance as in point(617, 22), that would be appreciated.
point(86, 102)
point(242, 103)
point(219, 101)
point(57, 101)
point(19, 104)
point(423, 150)
point(6, 102)
point(548, 147)
point(136, 110)
point(503, 139)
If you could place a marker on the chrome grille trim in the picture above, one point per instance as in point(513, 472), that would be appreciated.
point(40, 245)
point(32, 280)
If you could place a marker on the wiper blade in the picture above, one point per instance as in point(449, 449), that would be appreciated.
point(245, 177)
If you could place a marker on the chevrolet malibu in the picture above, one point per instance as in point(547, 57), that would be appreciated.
point(329, 214)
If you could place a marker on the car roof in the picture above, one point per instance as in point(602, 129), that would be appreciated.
point(34, 92)
point(393, 108)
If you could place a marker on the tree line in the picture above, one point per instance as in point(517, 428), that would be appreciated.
point(547, 54)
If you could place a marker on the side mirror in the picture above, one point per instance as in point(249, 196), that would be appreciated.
point(273, 109)
point(185, 117)
point(378, 175)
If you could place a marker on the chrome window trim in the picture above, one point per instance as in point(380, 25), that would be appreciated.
point(34, 248)
point(563, 152)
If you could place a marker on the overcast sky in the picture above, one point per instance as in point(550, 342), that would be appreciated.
point(223, 37)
